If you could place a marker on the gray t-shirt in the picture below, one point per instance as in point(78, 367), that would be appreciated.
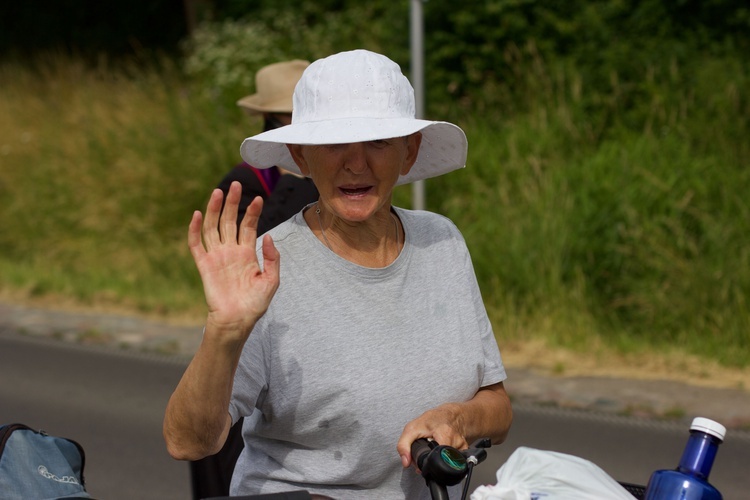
point(346, 356)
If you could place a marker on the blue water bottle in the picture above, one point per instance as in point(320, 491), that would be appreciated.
point(690, 480)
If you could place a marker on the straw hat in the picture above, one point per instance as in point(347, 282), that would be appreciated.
point(274, 85)
point(358, 96)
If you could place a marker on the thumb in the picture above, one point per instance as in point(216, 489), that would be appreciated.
point(271, 258)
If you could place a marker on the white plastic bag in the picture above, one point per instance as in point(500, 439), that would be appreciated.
point(531, 474)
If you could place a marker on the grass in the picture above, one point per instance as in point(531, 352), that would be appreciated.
point(633, 233)
point(596, 217)
point(102, 170)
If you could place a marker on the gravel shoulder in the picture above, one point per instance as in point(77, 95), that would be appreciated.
point(655, 393)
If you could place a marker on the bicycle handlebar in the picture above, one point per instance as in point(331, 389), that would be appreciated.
point(419, 451)
point(444, 466)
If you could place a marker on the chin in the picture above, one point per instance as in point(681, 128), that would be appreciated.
point(356, 210)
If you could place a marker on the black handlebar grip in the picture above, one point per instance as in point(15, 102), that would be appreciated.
point(419, 451)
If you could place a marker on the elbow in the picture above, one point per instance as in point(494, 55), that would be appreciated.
point(504, 416)
point(506, 420)
point(177, 448)
point(179, 452)
point(188, 446)
point(181, 449)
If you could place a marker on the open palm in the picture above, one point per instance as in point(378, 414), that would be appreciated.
point(237, 290)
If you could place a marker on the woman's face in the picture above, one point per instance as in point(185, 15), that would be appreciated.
point(356, 180)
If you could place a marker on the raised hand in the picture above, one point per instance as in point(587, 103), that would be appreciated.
point(237, 290)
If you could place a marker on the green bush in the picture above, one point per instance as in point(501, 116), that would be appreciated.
point(639, 226)
point(224, 56)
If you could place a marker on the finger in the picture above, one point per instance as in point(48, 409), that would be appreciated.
point(403, 447)
point(194, 234)
point(228, 222)
point(271, 260)
point(249, 226)
point(450, 438)
point(211, 235)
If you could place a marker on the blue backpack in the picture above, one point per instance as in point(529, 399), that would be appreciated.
point(36, 465)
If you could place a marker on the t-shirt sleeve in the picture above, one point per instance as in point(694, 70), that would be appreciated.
point(494, 371)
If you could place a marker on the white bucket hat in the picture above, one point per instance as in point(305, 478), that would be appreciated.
point(358, 96)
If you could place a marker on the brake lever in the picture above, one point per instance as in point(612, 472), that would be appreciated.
point(477, 453)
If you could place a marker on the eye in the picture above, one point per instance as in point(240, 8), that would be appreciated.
point(380, 143)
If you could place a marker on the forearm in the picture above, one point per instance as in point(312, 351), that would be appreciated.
point(238, 292)
point(196, 421)
point(487, 414)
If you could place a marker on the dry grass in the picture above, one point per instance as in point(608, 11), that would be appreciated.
point(600, 361)
point(98, 165)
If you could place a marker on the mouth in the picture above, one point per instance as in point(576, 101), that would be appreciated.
point(355, 191)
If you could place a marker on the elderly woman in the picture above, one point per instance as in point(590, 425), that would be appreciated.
point(355, 327)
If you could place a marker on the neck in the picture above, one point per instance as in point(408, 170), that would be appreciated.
point(376, 242)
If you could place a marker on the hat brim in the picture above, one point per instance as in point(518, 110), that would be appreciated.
point(444, 146)
point(254, 104)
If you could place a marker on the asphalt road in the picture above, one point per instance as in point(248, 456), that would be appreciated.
point(113, 403)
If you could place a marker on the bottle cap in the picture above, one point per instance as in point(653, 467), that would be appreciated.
point(709, 427)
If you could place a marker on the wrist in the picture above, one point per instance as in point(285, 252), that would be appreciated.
point(227, 330)
point(457, 416)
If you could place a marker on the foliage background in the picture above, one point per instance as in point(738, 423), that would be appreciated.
point(605, 199)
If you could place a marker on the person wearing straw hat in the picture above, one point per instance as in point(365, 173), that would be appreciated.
point(355, 327)
point(284, 195)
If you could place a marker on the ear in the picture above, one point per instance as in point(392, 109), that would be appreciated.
point(296, 151)
point(413, 142)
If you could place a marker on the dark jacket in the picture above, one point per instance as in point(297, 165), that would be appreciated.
point(283, 195)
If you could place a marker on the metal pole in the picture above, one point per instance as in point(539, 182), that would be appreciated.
point(417, 80)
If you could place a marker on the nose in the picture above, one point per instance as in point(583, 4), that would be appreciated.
point(355, 159)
